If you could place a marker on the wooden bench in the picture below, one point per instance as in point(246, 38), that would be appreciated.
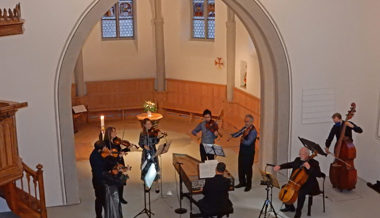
point(121, 110)
point(217, 115)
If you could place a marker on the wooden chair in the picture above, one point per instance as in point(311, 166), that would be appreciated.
point(322, 192)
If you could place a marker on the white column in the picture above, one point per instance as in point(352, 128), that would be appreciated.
point(159, 45)
point(231, 53)
point(79, 77)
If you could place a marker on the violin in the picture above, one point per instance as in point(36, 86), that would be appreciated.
point(289, 192)
point(109, 152)
point(153, 132)
point(119, 141)
point(248, 130)
point(213, 127)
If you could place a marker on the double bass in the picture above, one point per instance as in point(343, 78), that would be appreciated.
point(289, 192)
point(343, 174)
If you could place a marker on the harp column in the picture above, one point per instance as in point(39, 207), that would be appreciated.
point(231, 53)
point(159, 45)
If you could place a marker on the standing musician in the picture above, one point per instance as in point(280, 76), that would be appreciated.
point(246, 152)
point(114, 178)
point(337, 129)
point(97, 167)
point(109, 139)
point(149, 138)
point(311, 186)
point(210, 132)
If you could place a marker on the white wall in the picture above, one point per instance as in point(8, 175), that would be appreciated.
point(334, 45)
point(27, 73)
point(122, 59)
point(246, 51)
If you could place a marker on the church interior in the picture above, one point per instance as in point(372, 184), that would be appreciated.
point(142, 108)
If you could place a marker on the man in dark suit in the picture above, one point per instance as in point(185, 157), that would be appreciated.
point(311, 186)
point(97, 168)
point(216, 200)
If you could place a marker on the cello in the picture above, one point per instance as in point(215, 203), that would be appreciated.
point(343, 174)
point(289, 192)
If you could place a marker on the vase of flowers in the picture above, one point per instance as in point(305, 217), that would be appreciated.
point(150, 107)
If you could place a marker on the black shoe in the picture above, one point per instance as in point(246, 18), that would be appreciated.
point(239, 185)
point(247, 189)
point(297, 215)
point(288, 209)
point(157, 190)
point(123, 201)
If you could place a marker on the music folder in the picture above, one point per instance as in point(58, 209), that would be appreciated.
point(267, 177)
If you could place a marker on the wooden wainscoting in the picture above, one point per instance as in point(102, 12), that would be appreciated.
point(242, 104)
point(114, 98)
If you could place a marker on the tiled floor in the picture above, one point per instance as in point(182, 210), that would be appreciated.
point(359, 203)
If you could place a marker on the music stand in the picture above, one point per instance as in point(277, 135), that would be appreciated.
point(312, 146)
point(148, 181)
point(214, 149)
point(270, 181)
point(162, 149)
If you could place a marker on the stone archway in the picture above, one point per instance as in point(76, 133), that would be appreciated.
point(275, 86)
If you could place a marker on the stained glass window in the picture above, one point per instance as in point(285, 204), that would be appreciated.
point(118, 22)
point(203, 23)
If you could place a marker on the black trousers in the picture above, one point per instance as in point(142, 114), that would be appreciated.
point(205, 156)
point(245, 163)
point(305, 190)
point(100, 197)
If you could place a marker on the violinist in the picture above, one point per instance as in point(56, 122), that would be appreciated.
point(337, 129)
point(311, 186)
point(109, 136)
point(149, 138)
point(246, 152)
point(97, 167)
point(210, 132)
point(114, 178)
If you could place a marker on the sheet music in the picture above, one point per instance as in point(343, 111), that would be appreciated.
point(79, 109)
point(207, 169)
point(214, 149)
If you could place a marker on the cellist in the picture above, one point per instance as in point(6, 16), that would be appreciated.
point(311, 186)
point(337, 128)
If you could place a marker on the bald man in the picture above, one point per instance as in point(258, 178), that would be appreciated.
point(311, 186)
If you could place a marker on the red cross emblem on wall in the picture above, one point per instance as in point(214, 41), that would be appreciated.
point(219, 63)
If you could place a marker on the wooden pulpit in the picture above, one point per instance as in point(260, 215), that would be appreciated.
point(10, 163)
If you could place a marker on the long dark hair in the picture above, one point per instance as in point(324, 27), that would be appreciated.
point(107, 134)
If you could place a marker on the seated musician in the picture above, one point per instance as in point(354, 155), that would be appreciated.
point(311, 186)
point(109, 135)
point(114, 178)
point(216, 200)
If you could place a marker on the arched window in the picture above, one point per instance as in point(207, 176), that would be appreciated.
point(203, 19)
point(119, 21)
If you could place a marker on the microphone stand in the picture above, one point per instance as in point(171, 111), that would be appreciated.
point(180, 210)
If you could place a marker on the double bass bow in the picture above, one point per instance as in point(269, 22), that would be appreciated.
point(343, 174)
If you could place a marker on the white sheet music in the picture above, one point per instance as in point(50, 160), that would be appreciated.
point(207, 169)
point(79, 109)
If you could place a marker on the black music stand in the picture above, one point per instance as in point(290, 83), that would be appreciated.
point(270, 181)
point(312, 146)
point(180, 210)
point(151, 176)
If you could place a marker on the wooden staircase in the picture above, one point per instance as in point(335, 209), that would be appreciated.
point(20, 186)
